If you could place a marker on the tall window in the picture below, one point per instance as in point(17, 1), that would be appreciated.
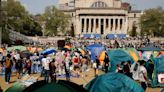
point(91, 25)
point(87, 25)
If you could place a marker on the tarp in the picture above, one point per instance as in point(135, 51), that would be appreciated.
point(117, 56)
point(158, 69)
point(95, 50)
point(97, 36)
point(113, 82)
point(110, 36)
point(121, 36)
point(87, 35)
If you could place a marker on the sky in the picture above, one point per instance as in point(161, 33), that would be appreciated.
point(38, 6)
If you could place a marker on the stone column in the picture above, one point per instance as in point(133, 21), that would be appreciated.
point(118, 26)
point(126, 25)
point(85, 23)
point(104, 26)
point(99, 26)
point(89, 26)
point(109, 25)
point(114, 26)
point(94, 25)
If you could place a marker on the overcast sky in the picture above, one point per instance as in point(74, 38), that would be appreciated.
point(38, 6)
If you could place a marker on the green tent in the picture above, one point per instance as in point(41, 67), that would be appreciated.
point(117, 56)
point(20, 48)
point(113, 82)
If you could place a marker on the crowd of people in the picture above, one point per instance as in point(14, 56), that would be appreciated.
point(68, 63)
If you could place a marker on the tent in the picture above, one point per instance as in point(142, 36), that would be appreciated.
point(157, 75)
point(95, 50)
point(21, 48)
point(60, 86)
point(117, 56)
point(133, 53)
point(113, 82)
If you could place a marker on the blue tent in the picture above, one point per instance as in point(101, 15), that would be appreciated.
point(48, 51)
point(117, 56)
point(113, 82)
point(95, 50)
point(158, 69)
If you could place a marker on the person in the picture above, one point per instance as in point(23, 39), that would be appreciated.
point(143, 79)
point(19, 68)
point(52, 70)
point(45, 64)
point(106, 60)
point(1, 62)
point(67, 71)
point(119, 69)
point(126, 70)
point(8, 67)
point(28, 66)
point(84, 65)
point(95, 66)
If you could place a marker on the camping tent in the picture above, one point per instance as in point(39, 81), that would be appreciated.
point(95, 50)
point(157, 76)
point(113, 82)
point(60, 86)
point(117, 56)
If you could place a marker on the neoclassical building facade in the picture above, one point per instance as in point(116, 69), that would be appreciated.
point(102, 17)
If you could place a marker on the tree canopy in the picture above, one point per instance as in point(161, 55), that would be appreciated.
point(152, 22)
point(56, 22)
point(18, 18)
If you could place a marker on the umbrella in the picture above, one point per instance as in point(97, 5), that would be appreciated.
point(60, 86)
point(21, 48)
point(113, 82)
point(25, 54)
point(48, 51)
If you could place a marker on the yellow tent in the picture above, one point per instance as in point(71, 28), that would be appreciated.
point(134, 56)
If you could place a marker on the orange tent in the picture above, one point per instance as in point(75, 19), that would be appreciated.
point(102, 57)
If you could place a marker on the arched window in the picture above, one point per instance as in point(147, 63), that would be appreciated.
point(99, 4)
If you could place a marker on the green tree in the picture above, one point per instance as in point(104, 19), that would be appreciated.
point(19, 19)
point(55, 21)
point(152, 22)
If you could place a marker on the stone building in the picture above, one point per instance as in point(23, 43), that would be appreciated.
point(101, 17)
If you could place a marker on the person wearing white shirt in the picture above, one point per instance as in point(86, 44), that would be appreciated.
point(143, 75)
point(45, 64)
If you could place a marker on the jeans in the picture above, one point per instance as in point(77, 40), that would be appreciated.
point(46, 75)
point(7, 75)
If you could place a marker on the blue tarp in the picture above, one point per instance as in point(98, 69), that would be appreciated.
point(110, 36)
point(118, 56)
point(113, 82)
point(48, 51)
point(95, 50)
point(97, 36)
point(158, 68)
point(149, 48)
point(87, 35)
point(121, 35)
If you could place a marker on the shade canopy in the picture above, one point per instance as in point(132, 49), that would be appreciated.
point(48, 51)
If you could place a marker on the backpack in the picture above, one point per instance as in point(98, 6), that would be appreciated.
point(8, 63)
